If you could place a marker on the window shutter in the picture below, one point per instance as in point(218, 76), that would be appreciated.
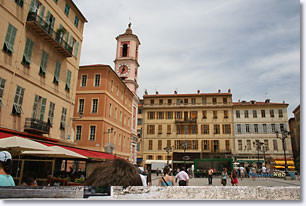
point(35, 107)
point(68, 80)
point(48, 17)
point(76, 50)
point(43, 63)
point(41, 14)
point(42, 109)
point(223, 128)
point(57, 72)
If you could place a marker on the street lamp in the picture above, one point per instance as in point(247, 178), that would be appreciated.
point(168, 149)
point(108, 146)
point(258, 145)
point(285, 134)
point(185, 145)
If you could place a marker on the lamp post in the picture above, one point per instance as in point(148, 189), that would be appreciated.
point(168, 149)
point(258, 145)
point(108, 147)
point(184, 145)
point(285, 134)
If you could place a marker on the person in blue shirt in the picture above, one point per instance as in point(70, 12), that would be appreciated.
point(5, 167)
point(224, 176)
point(166, 180)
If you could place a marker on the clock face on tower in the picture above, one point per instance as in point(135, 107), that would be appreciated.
point(123, 69)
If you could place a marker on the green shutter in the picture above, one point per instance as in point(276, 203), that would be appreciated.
point(43, 63)
point(28, 51)
point(68, 80)
point(57, 72)
point(41, 14)
point(67, 37)
point(48, 17)
point(76, 50)
point(42, 109)
point(10, 37)
point(35, 106)
point(76, 21)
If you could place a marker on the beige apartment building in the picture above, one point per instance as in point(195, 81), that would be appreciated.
point(259, 121)
point(140, 139)
point(41, 43)
point(194, 125)
point(103, 112)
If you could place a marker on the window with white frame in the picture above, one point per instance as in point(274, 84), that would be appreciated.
point(78, 132)
point(256, 128)
point(97, 80)
point(246, 114)
point(273, 128)
point(92, 135)
point(81, 106)
point(239, 128)
point(247, 128)
point(280, 113)
point(264, 128)
point(94, 106)
point(84, 81)
point(254, 113)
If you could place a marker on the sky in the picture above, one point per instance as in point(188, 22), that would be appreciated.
point(251, 47)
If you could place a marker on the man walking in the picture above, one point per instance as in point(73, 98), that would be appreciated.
point(182, 177)
point(210, 176)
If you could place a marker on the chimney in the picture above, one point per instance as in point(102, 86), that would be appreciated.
point(198, 91)
point(219, 90)
point(175, 92)
point(253, 101)
point(229, 91)
point(238, 100)
point(156, 92)
point(243, 102)
point(284, 102)
point(267, 101)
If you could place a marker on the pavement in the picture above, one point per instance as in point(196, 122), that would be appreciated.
point(260, 181)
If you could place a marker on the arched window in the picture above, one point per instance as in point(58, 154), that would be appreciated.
point(124, 50)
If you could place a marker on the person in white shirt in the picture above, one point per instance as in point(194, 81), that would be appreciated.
point(264, 171)
point(241, 172)
point(182, 177)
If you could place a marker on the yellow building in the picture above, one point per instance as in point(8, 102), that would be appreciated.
point(41, 43)
point(193, 125)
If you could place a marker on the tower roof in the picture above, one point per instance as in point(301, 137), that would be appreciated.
point(128, 33)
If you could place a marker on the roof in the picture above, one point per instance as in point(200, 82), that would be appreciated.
point(187, 95)
point(257, 104)
point(129, 32)
point(296, 109)
point(78, 10)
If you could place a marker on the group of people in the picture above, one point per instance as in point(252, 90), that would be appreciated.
point(167, 180)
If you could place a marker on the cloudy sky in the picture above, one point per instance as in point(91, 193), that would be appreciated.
point(251, 47)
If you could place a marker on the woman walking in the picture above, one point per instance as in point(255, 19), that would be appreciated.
point(234, 178)
point(224, 176)
point(166, 180)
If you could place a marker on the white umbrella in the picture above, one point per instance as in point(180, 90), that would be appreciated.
point(17, 144)
point(55, 151)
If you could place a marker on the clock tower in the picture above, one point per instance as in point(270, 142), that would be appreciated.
point(126, 62)
point(126, 66)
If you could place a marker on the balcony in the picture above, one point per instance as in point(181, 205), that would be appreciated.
point(36, 126)
point(189, 105)
point(181, 121)
point(42, 28)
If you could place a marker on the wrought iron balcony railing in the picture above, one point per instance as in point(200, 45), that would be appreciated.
point(36, 126)
point(186, 120)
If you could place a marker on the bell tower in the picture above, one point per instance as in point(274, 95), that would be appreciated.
point(126, 62)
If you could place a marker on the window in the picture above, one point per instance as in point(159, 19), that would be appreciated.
point(78, 132)
point(124, 50)
point(17, 106)
point(94, 107)
point(179, 101)
point(151, 101)
point(275, 146)
point(92, 135)
point(169, 143)
point(205, 144)
point(151, 129)
point(264, 128)
point(84, 81)
point(216, 145)
point(215, 114)
point(204, 114)
point(150, 157)
point(178, 129)
point(43, 63)
point(271, 113)
point(186, 129)
point(238, 113)
point(68, 80)
point(256, 128)
point(139, 121)
point(226, 129)
point(159, 157)
point(117, 91)
point(194, 115)
point(266, 143)
point(168, 129)
point(9, 40)
point(119, 139)
point(19, 3)
point(203, 100)
point(225, 114)
point(67, 9)
point(193, 101)
point(240, 145)
point(112, 87)
point(115, 138)
point(160, 129)
point(282, 127)
point(39, 107)
point(224, 100)
point(63, 119)
point(120, 116)
point(150, 144)
point(254, 113)
point(160, 101)
point(227, 145)
point(160, 115)
point(57, 73)
point(247, 128)
point(216, 129)
point(194, 129)
point(178, 115)
point(263, 113)
point(194, 144)
point(51, 113)
point(248, 144)
point(280, 113)
point(239, 128)
point(214, 100)
point(97, 80)
point(139, 111)
point(2, 85)
point(159, 144)
point(273, 128)
point(151, 115)
point(27, 54)
point(185, 101)
point(246, 114)
point(169, 101)
point(76, 21)
point(169, 115)
point(115, 113)
point(81, 106)
point(205, 129)
point(110, 111)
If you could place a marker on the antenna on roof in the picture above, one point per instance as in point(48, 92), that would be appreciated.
point(130, 24)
